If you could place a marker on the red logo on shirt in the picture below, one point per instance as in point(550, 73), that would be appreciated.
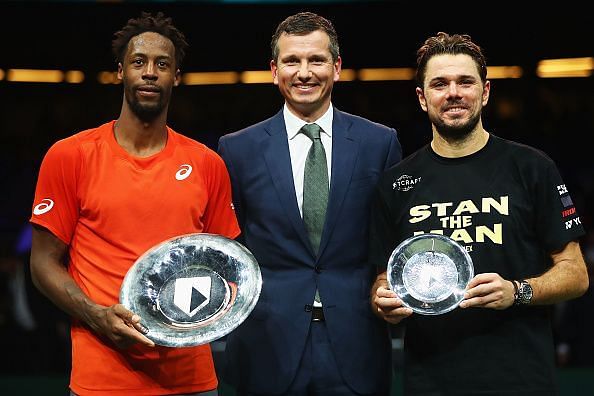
point(568, 212)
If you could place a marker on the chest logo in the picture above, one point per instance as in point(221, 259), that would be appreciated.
point(405, 183)
point(43, 207)
point(183, 172)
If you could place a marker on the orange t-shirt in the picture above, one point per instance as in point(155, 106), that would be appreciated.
point(110, 207)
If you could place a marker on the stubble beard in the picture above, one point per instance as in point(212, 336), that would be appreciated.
point(146, 112)
point(457, 132)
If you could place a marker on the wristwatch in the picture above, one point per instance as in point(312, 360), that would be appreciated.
point(523, 294)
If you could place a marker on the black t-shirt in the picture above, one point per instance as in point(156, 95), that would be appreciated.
point(508, 206)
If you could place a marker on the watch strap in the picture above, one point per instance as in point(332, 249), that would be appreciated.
point(516, 291)
point(524, 293)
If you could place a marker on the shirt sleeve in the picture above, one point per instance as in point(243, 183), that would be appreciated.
point(55, 206)
point(557, 218)
point(219, 217)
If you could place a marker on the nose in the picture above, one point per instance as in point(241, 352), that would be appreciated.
point(303, 72)
point(453, 89)
point(150, 71)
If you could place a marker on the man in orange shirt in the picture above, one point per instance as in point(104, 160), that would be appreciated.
point(106, 195)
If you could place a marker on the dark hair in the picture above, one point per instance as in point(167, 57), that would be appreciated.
point(148, 23)
point(454, 44)
point(304, 23)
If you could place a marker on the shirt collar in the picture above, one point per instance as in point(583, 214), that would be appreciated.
point(294, 123)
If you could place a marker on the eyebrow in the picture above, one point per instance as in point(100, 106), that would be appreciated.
point(313, 57)
point(460, 77)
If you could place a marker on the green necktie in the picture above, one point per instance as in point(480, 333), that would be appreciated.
point(315, 186)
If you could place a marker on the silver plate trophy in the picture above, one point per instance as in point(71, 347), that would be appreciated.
point(192, 289)
point(429, 273)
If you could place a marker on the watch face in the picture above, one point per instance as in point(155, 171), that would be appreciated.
point(525, 292)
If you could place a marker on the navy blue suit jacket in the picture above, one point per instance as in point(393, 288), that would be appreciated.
point(263, 353)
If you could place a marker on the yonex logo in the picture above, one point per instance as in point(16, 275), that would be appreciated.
point(184, 172)
point(43, 207)
point(572, 222)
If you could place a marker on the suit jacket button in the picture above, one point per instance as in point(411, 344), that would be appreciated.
point(317, 269)
point(308, 308)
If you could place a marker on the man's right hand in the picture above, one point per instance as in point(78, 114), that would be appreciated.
point(118, 324)
point(385, 303)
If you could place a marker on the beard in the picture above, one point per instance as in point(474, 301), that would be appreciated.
point(146, 112)
point(456, 132)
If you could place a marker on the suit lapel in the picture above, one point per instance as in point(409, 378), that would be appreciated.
point(344, 154)
point(278, 160)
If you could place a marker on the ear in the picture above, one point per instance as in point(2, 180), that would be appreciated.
point(486, 92)
point(274, 70)
point(422, 99)
point(177, 80)
point(337, 68)
point(120, 71)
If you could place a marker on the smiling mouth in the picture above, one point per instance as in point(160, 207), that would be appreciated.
point(304, 87)
point(455, 110)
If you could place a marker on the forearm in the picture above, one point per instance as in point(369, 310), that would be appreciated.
point(50, 276)
point(61, 289)
point(565, 280)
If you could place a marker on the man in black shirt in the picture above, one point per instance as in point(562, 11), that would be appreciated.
point(507, 205)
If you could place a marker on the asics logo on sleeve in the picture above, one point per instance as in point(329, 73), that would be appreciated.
point(43, 207)
point(184, 172)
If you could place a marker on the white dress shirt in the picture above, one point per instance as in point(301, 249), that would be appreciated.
point(299, 145)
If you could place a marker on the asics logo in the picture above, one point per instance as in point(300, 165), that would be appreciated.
point(45, 206)
point(184, 172)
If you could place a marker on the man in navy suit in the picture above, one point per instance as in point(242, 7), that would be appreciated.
point(312, 331)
